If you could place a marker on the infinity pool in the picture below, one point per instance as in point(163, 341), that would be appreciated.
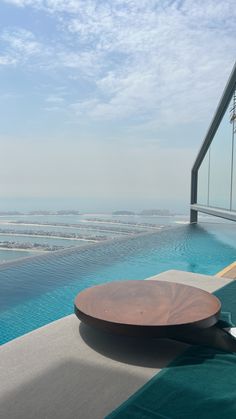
point(36, 291)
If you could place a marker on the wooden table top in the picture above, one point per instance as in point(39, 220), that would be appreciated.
point(131, 306)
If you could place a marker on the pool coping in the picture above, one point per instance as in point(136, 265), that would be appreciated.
point(228, 272)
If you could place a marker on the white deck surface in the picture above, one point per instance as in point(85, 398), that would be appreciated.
point(66, 370)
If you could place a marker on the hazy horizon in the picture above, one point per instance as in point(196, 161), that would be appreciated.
point(90, 205)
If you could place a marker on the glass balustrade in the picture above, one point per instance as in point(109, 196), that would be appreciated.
point(217, 172)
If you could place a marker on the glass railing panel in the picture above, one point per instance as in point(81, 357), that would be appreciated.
point(233, 122)
point(221, 164)
point(203, 174)
point(234, 183)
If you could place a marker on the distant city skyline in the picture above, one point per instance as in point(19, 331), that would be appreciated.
point(106, 103)
point(26, 204)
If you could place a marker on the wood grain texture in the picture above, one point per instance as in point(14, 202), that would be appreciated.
point(149, 308)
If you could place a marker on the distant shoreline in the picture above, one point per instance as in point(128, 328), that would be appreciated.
point(32, 224)
point(48, 237)
point(16, 249)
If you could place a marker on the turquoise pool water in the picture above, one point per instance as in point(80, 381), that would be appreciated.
point(36, 291)
point(10, 255)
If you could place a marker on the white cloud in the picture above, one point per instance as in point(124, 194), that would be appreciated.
point(7, 60)
point(55, 99)
point(71, 6)
point(20, 46)
point(86, 62)
point(160, 57)
point(21, 40)
point(20, 3)
point(145, 58)
point(53, 109)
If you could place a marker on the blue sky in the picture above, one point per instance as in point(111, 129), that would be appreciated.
point(108, 101)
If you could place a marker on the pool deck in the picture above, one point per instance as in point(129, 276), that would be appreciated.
point(228, 272)
point(67, 370)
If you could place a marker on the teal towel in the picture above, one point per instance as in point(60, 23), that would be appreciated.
point(199, 384)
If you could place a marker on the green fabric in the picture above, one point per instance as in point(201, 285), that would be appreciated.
point(225, 320)
point(199, 384)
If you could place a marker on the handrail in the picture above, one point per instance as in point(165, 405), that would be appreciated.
point(219, 113)
point(216, 120)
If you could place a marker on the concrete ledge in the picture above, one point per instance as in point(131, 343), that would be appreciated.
point(228, 272)
point(205, 282)
point(67, 370)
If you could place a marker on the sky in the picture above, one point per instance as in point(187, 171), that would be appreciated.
point(104, 103)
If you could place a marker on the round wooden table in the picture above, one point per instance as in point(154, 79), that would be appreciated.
point(148, 308)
